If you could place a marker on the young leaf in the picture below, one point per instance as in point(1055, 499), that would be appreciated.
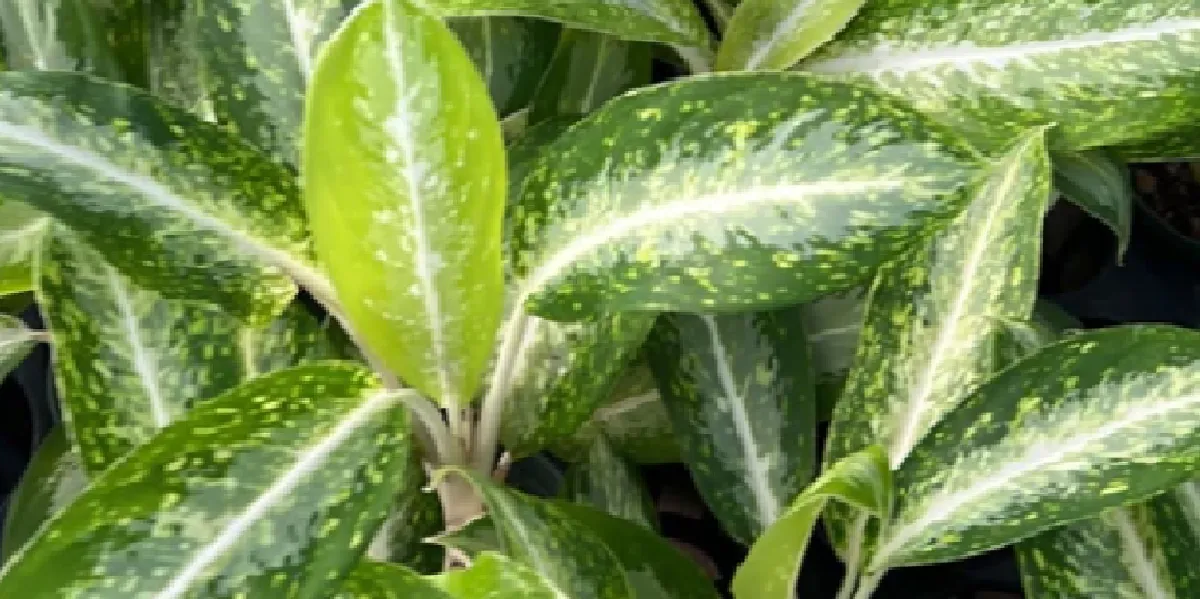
point(274, 487)
point(170, 201)
point(374, 580)
point(587, 69)
point(788, 187)
point(862, 480)
point(494, 576)
point(739, 392)
point(776, 34)
point(1105, 72)
point(1101, 419)
point(127, 361)
point(511, 53)
point(21, 229)
point(53, 479)
point(609, 483)
point(409, 230)
point(1099, 183)
point(16, 341)
point(1148, 550)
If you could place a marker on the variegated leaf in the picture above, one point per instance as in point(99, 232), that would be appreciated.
point(476, 536)
point(788, 187)
point(21, 230)
point(415, 515)
point(1181, 144)
point(171, 202)
point(739, 391)
point(53, 479)
point(606, 481)
point(16, 341)
point(587, 70)
point(294, 337)
point(413, 246)
point(833, 324)
point(1099, 183)
point(776, 34)
point(495, 576)
point(1105, 72)
point(1101, 419)
point(511, 53)
point(273, 487)
point(60, 35)
point(374, 580)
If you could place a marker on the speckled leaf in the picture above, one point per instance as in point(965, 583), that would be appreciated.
point(770, 569)
point(1101, 419)
point(776, 34)
point(170, 201)
point(654, 568)
point(1146, 551)
point(374, 580)
point(415, 515)
point(668, 21)
point(21, 229)
point(511, 53)
point(494, 576)
point(738, 389)
point(273, 487)
point(127, 362)
point(574, 561)
point(16, 341)
point(1018, 339)
point(58, 35)
point(785, 188)
point(1182, 143)
point(294, 337)
point(1099, 183)
point(410, 231)
point(1106, 72)
point(52, 480)
point(587, 70)
point(608, 482)
point(833, 324)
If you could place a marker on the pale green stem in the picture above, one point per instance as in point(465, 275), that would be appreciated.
point(492, 408)
point(698, 61)
point(721, 13)
point(854, 553)
point(868, 583)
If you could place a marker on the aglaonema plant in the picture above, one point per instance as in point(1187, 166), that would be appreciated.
point(519, 239)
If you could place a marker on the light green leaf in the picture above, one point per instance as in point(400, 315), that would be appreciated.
point(171, 202)
point(1099, 183)
point(1146, 551)
point(609, 483)
point(1101, 419)
point(53, 479)
point(776, 34)
point(59, 35)
point(21, 229)
point(769, 571)
point(789, 188)
point(511, 53)
point(739, 391)
point(667, 21)
point(410, 229)
point(494, 576)
point(374, 580)
point(1105, 72)
point(587, 70)
point(273, 487)
point(16, 341)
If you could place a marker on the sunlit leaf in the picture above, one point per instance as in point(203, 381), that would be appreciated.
point(776, 34)
point(494, 576)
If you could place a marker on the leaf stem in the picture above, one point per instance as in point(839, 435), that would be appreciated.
point(483, 453)
point(854, 554)
point(698, 61)
point(868, 583)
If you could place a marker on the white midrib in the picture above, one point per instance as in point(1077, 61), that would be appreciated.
point(307, 463)
point(902, 61)
point(143, 361)
point(1136, 556)
point(589, 94)
point(405, 140)
point(528, 543)
point(38, 39)
point(948, 506)
point(786, 26)
point(1189, 501)
point(715, 203)
point(919, 400)
point(296, 22)
point(247, 344)
point(834, 332)
point(625, 405)
point(765, 501)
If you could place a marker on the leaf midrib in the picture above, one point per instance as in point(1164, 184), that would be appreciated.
point(143, 362)
point(1136, 556)
point(785, 26)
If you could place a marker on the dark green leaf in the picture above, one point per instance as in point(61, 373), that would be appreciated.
point(16, 341)
point(511, 53)
point(409, 230)
point(60, 36)
point(739, 392)
point(21, 230)
point(274, 487)
point(776, 34)
point(785, 188)
point(1182, 143)
point(415, 515)
point(1099, 183)
point(833, 325)
point(474, 537)
point(494, 576)
point(294, 337)
point(52, 480)
point(587, 70)
point(609, 483)
point(373, 580)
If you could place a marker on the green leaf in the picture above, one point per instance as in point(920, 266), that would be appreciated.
point(776, 34)
point(410, 230)
point(609, 483)
point(171, 202)
point(1105, 72)
point(59, 35)
point(654, 568)
point(575, 562)
point(294, 337)
point(928, 337)
point(511, 53)
point(587, 70)
point(833, 325)
point(667, 21)
point(127, 362)
point(739, 391)
point(16, 341)
point(494, 576)
point(53, 479)
point(274, 487)
point(21, 229)
point(1101, 419)
point(1099, 183)
point(769, 571)
point(474, 537)
point(1180, 144)
point(415, 514)
point(789, 188)
point(374, 580)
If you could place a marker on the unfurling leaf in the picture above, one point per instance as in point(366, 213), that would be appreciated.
point(609, 483)
point(410, 228)
point(1099, 183)
point(776, 34)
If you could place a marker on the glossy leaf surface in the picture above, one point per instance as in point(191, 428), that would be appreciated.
point(776, 34)
point(511, 54)
point(862, 480)
point(608, 483)
point(171, 202)
point(1099, 183)
point(495, 576)
point(1105, 72)
point(53, 479)
point(739, 392)
point(788, 188)
point(1101, 419)
point(271, 488)
point(410, 230)
point(16, 341)
point(375, 580)
point(21, 230)
point(587, 70)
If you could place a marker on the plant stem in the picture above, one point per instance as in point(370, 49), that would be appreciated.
point(854, 553)
point(698, 61)
point(483, 453)
point(868, 583)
